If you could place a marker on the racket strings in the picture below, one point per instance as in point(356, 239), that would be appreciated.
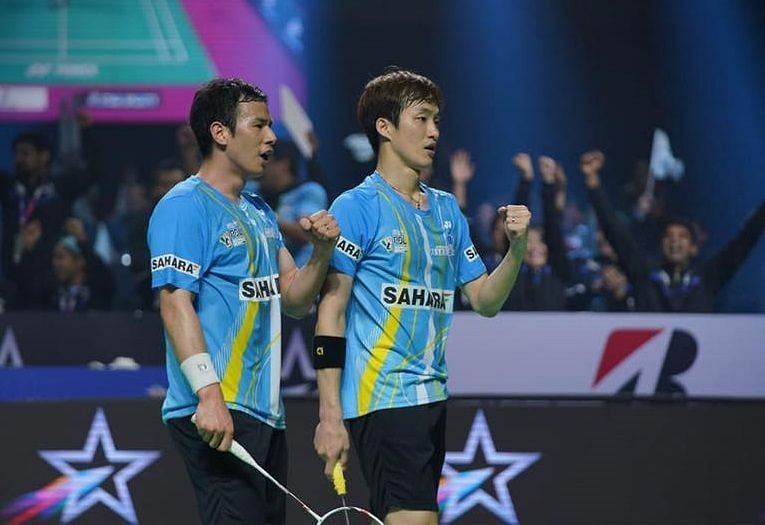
point(347, 516)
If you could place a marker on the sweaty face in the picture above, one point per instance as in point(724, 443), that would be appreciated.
point(251, 146)
point(677, 245)
point(414, 139)
point(536, 250)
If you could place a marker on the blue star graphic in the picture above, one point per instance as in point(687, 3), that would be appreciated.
point(465, 498)
point(81, 500)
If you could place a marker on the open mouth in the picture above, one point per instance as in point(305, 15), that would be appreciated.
point(431, 149)
point(266, 156)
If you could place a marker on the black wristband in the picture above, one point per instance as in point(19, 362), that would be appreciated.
point(328, 352)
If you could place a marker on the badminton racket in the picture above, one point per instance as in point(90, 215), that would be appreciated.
point(347, 514)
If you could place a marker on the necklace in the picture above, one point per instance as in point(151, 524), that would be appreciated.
point(416, 201)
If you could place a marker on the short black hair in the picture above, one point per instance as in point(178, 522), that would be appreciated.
point(387, 95)
point(38, 141)
point(688, 224)
point(217, 101)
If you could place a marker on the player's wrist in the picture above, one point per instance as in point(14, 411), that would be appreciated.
point(199, 371)
point(331, 417)
point(322, 250)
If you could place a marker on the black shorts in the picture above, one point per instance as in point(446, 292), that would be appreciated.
point(401, 451)
point(228, 491)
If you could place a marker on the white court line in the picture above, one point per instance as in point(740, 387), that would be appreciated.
point(175, 36)
point(156, 29)
point(63, 26)
point(63, 46)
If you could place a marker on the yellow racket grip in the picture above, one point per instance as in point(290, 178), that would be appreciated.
point(338, 479)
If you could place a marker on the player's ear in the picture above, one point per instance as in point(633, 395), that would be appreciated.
point(384, 127)
point(220, 133)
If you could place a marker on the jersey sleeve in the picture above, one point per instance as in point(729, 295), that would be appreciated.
point(351, 215)
point(470, 266)
point(177, 238)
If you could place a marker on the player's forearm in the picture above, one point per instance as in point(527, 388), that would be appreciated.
point(182, 325)
point(305, 284)
point(330, 321)
point(497, 286)
point(330, 406)
point(294, 232)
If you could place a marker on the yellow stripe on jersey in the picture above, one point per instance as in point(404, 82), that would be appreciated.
point(430, 346)
point(233, 375)
point(256, 371)
point(234, 370)
point(387, 339)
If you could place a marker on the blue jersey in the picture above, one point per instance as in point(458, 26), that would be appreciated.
point(406, 264)
point(227, 255)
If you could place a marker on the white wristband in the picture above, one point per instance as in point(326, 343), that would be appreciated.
point(199, 371)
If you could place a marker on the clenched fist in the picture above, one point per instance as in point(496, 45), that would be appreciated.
point(322, 228)
point(517, 219)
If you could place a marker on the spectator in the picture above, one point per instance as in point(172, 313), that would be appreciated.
point(541, 283)
point(29, 276)
point(82, 282)
point(679, 284)
point(31, 192)
point(461, 171)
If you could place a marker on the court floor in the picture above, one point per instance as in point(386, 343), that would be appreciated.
point(113, 42)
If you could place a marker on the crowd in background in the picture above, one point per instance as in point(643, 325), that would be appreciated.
point(65, 247)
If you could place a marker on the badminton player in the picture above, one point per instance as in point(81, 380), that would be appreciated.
point(387, 304)
point(224, 277)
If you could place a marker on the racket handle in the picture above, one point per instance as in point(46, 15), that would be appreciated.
point(338, 479)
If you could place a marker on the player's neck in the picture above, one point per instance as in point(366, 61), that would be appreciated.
point(397, 174)
point(223, 178)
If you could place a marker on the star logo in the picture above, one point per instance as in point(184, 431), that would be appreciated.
point(124, 465)
point(461, 491)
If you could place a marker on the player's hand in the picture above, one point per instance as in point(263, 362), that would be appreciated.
point(212, 418)
point(331, 444)
point(322, 229)
point(522, 161)
point(517, 219)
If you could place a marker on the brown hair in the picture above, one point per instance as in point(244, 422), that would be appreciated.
point(387, 95)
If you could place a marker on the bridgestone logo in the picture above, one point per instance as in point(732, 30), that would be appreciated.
point(161, 262)
point(348, 249)
point(260, 289)
point(417, 297)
